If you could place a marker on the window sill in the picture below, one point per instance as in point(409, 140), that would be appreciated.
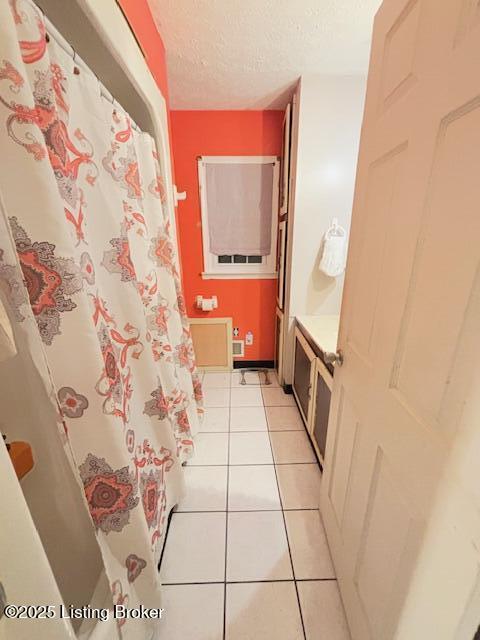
point(238, 276)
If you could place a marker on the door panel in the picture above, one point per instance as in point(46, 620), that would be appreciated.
point(454, 187)
point(343, 447)
point(381, 192)
point(384, 544)
point(400, 47)
point(400, 497)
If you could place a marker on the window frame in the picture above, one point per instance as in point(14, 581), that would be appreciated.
point(211, 268)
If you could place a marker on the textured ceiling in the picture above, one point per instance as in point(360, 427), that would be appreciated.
point(247, 54)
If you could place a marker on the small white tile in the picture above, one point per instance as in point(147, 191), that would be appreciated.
point(284, 419)
point(216, 397)
point(322, 610)
point(216, 420)
point(276, 397)
point(252, 488)
point(262, 611)
point(210, 449)
point(248, 419)
point(216, 380)
point(308, 545)
point(250, 448)
point(291, 446)
point(250, 377)
point(195, 548)
point(299, 485)
point(257, 547)
point(246, 397)
point(206, 489)
point(204, 604)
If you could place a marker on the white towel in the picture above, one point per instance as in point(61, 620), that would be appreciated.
point(334, 251)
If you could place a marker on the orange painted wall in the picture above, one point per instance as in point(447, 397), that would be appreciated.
point(251, 303)
point(141, 21)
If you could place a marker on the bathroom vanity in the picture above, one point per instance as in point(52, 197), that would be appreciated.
point(315, 337)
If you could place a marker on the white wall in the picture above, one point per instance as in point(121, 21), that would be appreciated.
point(330, 115)
point(326, 134)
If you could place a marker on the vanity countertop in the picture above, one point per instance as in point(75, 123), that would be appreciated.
point(323, 330)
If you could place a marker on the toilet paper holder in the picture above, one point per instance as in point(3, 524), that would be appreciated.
point(206, 304)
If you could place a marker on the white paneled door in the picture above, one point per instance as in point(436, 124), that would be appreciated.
point(401, 489)
point(25, 574)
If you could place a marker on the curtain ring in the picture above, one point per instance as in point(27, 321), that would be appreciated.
point(47, 35)
point(76, 70)
point(42, 12)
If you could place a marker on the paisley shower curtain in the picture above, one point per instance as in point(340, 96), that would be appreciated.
point(88, 265)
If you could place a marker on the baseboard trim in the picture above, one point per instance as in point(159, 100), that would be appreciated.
point(253, 364)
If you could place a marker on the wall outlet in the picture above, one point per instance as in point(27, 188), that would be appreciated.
point(249, 339)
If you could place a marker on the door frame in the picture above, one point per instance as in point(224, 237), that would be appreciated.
point(279, 343)
point(282, 241)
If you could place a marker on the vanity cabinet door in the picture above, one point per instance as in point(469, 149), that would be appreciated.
point(323, 392)
point(304, 376)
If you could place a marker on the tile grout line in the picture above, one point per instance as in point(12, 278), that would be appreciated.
point(251, 464)
point(286, 531)
point(257, 430)
point(228, 465)
point(247, 510)
point(267, 581)
point(246, 406)
point(226, 516)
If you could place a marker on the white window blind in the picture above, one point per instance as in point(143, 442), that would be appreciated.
point(239, 201)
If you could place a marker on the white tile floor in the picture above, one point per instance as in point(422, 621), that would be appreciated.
point(246, 555)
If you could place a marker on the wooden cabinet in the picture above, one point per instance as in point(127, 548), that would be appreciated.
point(285, 164)
point(321, 410)
point(279, 343)
point(281, 242)
point(304, 376)
point(312, 386)
point(325, 131)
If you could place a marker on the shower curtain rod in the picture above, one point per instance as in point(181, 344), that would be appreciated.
point(78, 60)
